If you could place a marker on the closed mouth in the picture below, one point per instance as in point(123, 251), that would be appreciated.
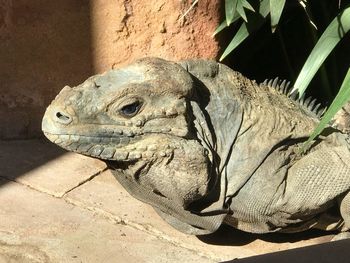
point(103, 147)
point(67, 139)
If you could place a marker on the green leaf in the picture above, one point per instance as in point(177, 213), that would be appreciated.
point(221, 27)
point(342, 97)
point(230, 10)
point(241, 4)
point(276, 8)
point(329, 39)
point(241, 34)
point(264, 8)
point(241, 12)
point(246, 5)
point(243, 31)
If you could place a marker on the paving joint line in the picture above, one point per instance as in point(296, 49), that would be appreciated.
point(28, 186)
point(84, 181)
point(58, 196)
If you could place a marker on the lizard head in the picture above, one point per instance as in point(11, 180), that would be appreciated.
point(136, 119)
point(122, 115)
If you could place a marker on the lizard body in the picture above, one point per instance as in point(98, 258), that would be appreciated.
point(204, 146)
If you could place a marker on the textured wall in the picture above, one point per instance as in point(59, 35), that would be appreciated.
point(47, 44)
point(125, 30)
point(43, 45)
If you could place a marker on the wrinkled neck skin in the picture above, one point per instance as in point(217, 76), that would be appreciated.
point(181, 175)
point(179, 185)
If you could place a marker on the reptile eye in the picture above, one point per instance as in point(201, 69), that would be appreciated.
point(130, 110)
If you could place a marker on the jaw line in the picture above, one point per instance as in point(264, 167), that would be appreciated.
point(105, 148)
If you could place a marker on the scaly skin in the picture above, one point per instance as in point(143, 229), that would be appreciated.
point(204, 146)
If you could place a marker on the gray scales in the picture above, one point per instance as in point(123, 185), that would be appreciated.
point(206, 146)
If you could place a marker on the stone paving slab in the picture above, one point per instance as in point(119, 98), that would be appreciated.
point(36, 227)
point(44, 166)
point(103, 194)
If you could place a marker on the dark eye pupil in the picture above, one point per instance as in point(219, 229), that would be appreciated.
point(131, 109)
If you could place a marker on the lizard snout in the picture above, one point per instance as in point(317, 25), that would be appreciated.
point(62, 117)
point(56, 119)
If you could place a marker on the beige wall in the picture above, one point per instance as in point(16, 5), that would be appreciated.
point(125, 30)
point(45, 45)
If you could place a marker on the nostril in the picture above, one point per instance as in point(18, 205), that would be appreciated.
point(63, 118)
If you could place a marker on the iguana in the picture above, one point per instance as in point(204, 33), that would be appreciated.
point(206, 146)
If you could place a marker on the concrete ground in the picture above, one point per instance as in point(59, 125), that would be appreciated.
point(64, 207)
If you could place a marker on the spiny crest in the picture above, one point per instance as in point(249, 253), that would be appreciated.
point(284, 87)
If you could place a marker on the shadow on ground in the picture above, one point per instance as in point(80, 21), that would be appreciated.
point(21, 156)
point(228, 236)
